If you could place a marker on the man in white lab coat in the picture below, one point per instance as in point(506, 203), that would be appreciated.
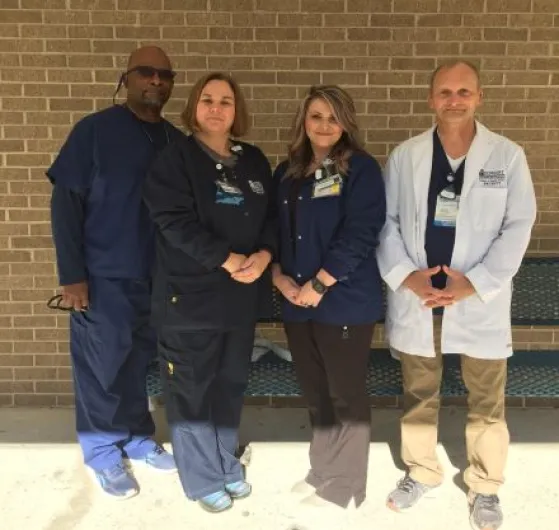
point(461, 207)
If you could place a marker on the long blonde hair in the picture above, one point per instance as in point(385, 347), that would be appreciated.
point(300, 153)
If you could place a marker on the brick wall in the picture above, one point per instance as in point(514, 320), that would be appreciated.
point(59, 60)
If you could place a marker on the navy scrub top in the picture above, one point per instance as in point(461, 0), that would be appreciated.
point(439, 240)
point(339, 234)
point(98, 177)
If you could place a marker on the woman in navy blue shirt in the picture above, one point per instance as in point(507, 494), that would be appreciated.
point(332, 207)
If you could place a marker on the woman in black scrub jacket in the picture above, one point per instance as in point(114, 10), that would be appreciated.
point(209, 196)
point(332, 207)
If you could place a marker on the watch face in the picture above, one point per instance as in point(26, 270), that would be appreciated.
point(318, 286)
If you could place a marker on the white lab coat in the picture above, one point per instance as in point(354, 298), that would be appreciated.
point(492, 233)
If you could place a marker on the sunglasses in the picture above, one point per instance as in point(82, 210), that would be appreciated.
point(56, 303)
point(149, 71)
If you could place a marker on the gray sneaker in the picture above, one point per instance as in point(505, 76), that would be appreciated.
point(485, 511)
point(406, 494)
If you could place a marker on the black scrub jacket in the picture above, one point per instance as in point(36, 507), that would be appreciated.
point(198, 225)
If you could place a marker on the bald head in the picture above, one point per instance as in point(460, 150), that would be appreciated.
point(462, 65)
point(149, 56)
point(149, 80)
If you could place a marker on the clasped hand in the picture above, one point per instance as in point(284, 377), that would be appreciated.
point(304, 296)
point(247, 269)
point(458, 287)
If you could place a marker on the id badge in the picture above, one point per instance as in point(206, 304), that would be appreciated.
point(327, 187)
point(228, 193)
point(446, 211)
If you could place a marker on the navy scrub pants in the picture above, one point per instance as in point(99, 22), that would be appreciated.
point(205, 375)
point(111, 346)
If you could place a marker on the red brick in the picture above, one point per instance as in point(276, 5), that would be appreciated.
point(346, 79)
point(369, 34)
point(34, 400)
point(12, 387)
point(505, 34)
point(8, 16)
point(545, 6)
point(255, 48)
point(510, 6)
point(504, 63)
point(91, 5)
point(416, 6)
point(217, 33)
point(541, 93)
point(530, 20)
point(251, 20)
point(527, 78)
point(439, 20)
point(278, 5)
point(208, 19)
point(529, 48)
point(323, 34)
point(544, 34)
point(210, 48)
point(322, 6)
point(298, 78)
point(279, 34)
point(307, 48)
point(321, 63)
point(389, 49)
point(462, 6)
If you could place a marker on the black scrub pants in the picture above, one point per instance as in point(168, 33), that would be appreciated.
point(331, 366)
point(205, 375)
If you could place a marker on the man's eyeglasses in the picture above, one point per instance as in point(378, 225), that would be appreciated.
point(149, 71)
point(56, 303)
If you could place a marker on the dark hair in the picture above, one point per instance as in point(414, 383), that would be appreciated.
point(300, 153)
point(451, 64)
point(240, 123)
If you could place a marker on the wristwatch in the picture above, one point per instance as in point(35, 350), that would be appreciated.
point(318, 286)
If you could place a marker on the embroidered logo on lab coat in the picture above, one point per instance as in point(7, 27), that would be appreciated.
point(256, 186)
point(492, 178)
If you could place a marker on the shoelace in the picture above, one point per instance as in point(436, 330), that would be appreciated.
point(487, 501)
point(158, 450)
point(407, 484)
point(116, 471)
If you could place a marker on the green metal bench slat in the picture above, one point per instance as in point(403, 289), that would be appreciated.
point(530, 374)
point(535, 296)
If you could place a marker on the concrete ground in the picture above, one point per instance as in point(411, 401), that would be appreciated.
point(43, 484)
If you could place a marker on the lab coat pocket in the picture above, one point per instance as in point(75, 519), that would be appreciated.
point(486, 316)
point(402, 306)
point(195, 302)
point(488, 206)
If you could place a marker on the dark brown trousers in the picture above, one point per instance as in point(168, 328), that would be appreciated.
point(331, 366)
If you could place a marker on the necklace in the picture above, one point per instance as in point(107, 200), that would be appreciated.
point(141, 122)
point(151, 139)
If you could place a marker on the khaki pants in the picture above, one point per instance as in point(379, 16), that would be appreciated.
point(487, 436)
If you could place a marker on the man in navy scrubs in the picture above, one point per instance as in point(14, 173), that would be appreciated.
point(104, 246)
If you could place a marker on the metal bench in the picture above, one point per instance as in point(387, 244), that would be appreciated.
point(531, 375)
point(535, 300)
